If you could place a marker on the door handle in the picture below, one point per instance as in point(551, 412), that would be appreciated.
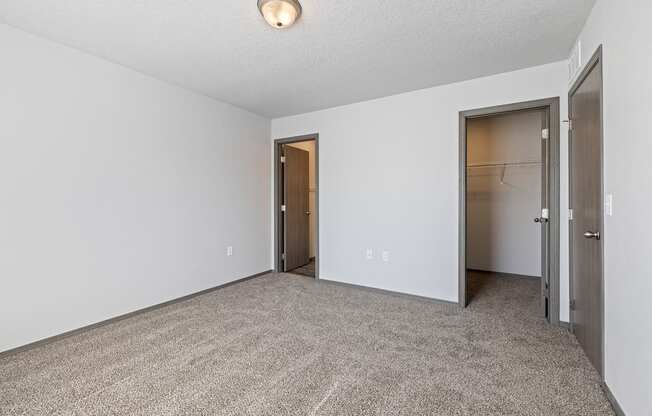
point(541, 220)
point(591, 234)
point(307, 212)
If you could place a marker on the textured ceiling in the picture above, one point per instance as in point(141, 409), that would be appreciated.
point(340, 51)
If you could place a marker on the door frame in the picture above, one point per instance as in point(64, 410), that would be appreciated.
point(551, 105)
point(594, 62)
point(278, 198)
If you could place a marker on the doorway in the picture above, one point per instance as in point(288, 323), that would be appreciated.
point(586, 225)
point(509, 200)
point(296, 205)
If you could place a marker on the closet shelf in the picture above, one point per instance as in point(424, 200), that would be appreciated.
point(505, 164)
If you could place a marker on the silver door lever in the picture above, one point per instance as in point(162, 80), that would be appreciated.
point(591, 234)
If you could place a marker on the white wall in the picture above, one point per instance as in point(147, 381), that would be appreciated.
point(624, 30)
point(389, 180)
point(118, 191)
point(309, 146)
point(501, 234)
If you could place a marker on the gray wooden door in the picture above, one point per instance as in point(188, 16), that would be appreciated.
point(586, 203)
point(544, 220)
point(296, 226)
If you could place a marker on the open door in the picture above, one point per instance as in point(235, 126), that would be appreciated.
point(586, 306)
point(547, 218)
point(544, 217)
point(296, 227)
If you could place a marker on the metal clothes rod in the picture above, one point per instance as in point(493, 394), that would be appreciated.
point(489, 165)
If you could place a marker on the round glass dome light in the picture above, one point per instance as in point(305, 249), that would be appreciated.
point(280, 13)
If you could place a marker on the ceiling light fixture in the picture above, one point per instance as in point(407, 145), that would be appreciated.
point(280, 13)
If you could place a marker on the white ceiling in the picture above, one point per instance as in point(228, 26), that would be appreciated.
point(339, 52)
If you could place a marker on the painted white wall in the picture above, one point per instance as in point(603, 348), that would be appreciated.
point(623, 28)
point(118, 191)
point(389, 180)
point(502, 236)
point(309, 146)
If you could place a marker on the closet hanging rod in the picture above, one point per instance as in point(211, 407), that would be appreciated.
point(489, 165)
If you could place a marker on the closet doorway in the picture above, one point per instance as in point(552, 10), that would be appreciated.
point(509, 205)
point(296, 202)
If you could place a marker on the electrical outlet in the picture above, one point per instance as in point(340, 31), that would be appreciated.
point(229, 251)
point(369, 254)
point(386, 256)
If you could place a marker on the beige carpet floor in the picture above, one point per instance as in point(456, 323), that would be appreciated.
point(289, 345)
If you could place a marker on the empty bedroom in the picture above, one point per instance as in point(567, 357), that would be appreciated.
point(304, 207)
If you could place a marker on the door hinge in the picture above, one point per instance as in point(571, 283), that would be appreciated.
point(282, 208)
point(572, 305)
point(570, 124)
point(570, 214)
point(545, 133)
point(282, 159)
point(282, 256)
